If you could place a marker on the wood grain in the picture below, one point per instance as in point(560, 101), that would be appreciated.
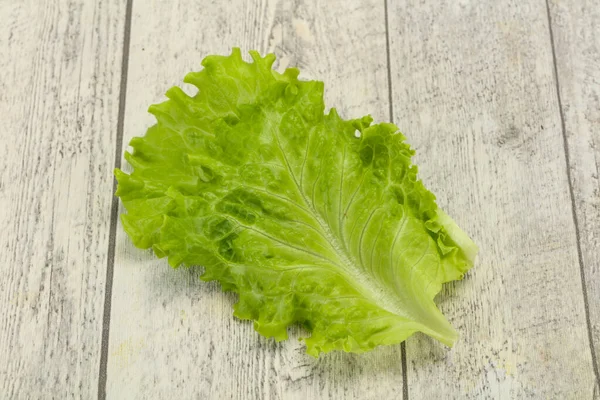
point(59, 89)
point(576, 29)
point(173, 336)
point(474, 91)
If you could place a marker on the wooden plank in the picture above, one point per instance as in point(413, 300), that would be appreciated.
point(59, 90)
point(474, 91)
point(173, 336)
point(575, 27)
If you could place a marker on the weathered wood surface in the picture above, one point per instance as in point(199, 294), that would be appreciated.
point(59, 91)
point(474, 88)
point(173, 336)
point(576, 34)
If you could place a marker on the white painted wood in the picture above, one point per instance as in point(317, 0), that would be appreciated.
point(473, 89)
point(173, 336)
point(576, 29)
point(59, 89)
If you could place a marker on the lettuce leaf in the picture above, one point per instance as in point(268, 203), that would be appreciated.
point(310, 218)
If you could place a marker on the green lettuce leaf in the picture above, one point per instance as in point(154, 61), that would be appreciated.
point(310, 218)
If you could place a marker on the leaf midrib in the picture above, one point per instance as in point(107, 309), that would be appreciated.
point(386, 297)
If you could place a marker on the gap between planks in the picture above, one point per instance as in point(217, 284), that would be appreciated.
point(572, 196)
point(391, 116)
point(114, 212)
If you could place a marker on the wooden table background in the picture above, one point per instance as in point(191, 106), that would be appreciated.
point(500, 98)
